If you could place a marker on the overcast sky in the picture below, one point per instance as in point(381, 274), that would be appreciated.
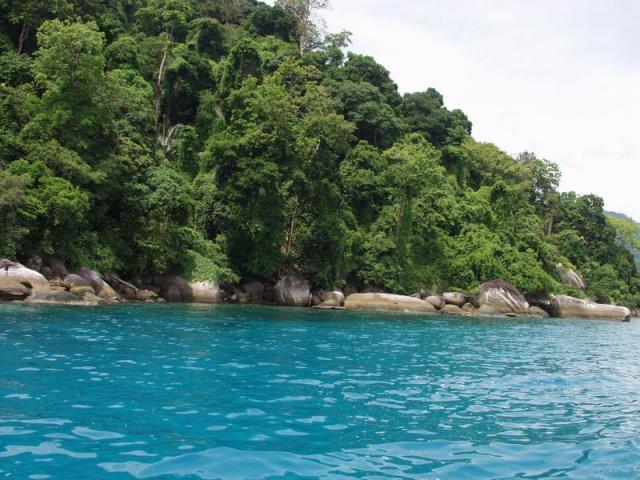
point(560, 78)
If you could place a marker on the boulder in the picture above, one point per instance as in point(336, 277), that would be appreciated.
point(240, 297)
point(254, 292)
point(82, 291)
point(538, 312)
point(57, 268)
point(205, 292)
point(102, 288)
point(487, 311)
point(146, 296)
point(571, 278)
point(452, 310)
point(92, 299)
point(569, 307)
point(131, 290)
point(469, 309)
point(436, 300)
point(24, 275)
point(54, 296)
point(333, 298)
point(293, 291)
point(543, 304)
point(35, 262)
point(72, 281)
point(172, 294)
point(174, 288)
point(387, 302)
point(12, 290)
point(501, 297)
point(328, 306)
point(454, 298)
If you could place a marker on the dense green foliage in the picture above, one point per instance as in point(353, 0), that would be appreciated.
point(230, 140)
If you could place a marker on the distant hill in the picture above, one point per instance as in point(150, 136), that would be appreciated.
point(632, 249)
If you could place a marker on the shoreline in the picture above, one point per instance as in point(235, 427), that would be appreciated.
point(495, 298)
point(406, 314)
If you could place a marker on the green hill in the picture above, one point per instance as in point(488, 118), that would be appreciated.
point(231, 141)
point(634, 228)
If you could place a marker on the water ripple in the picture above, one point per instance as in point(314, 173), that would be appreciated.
point(233, 393)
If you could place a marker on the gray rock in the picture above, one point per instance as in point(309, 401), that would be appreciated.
point(102, 288)
point(92, 299)
point(387, 302)
point(501, 297)
point(146, 296)
point(26, 276)
point(254, 291)
point(12, 290)
point(205, 292)
point(452, 310)
point(172, 294)
point(293, 291)
point(487, 311)
point(174, 288)
point(436, 300)
point(54, 296)
point(569, 307)
point(58, 268)
point(469, 308)
point(82, 291)
point(72, 280)
point(454, 298)
point(538, 312)
point(571, 278)
point(333, 297)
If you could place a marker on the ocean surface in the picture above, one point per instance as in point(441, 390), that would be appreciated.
point(192, 392)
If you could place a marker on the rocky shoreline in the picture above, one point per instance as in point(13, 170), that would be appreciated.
point(53, 284)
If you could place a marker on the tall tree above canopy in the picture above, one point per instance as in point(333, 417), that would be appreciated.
point(426, 114)
point(166, 18)
point(305, 12)
point(70, 57)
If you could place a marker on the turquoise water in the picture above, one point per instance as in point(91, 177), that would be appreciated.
point(255, 393)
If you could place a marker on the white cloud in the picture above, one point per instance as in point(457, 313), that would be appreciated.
point(560, 78)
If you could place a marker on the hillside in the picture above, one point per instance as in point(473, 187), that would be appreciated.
point(633, 228)
point(231, 141)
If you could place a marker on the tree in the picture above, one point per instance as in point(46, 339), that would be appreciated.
point(545, 180)
point(70, 59)
point(627, 229)
point(426, 114)
point(14, 215)
point(167, 18)
point(30, 14)
point(305, 12)
point(70, 66)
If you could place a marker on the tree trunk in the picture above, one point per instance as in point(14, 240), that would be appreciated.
point(24, 32)
point(159, 91)
point(290, 231)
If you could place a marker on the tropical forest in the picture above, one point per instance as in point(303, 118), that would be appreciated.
point(233, 140)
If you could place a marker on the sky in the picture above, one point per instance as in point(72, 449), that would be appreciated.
point(560, 78)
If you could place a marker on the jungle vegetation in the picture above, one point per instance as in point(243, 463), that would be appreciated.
point(231, 140)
